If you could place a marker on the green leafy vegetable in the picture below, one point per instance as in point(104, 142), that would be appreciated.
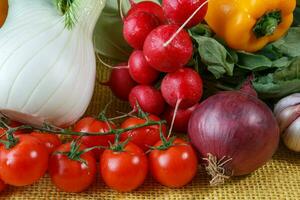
point(280, 83)
point(276, 67)
point(201, 30)
point(253, 62)
point(259, 62)
point(289, 45)
point(213, 54)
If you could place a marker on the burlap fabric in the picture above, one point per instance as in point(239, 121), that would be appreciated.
point(279, 179)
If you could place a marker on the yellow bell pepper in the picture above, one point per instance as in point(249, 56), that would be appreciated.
point(3, 11)
point(250, 24)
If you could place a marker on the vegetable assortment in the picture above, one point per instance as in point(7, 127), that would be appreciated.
point(177, 54)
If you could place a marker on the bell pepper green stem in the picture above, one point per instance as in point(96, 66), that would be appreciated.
point(267, 24)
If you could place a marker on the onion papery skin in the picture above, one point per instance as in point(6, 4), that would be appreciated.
point(238, 126)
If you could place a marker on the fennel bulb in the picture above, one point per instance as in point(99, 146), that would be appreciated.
point(47, 61)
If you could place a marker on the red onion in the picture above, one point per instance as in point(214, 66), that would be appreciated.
point(234, 132)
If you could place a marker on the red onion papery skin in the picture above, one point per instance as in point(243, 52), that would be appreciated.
point(235, 125)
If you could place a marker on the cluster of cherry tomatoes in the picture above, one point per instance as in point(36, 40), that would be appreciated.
point(157, 75)
point(122, 160)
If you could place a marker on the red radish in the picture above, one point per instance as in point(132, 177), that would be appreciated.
point(140, 70)
point(184, 86)
point(182, 118)
point(179, 11)
point(168, 57)
point(234, 132)
point(137, 27)
point(148, 7)
point(149, 99)
point(120, 82)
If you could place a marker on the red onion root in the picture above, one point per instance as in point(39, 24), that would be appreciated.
point(215, 168)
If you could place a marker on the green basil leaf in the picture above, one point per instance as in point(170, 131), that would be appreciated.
point(282, 62)
point(253, 62)
point(215, 56)
point(289, 45)
point(201, 30)
point(233, 55)
point(271, 52)
point(280, 83)
point(216, 70)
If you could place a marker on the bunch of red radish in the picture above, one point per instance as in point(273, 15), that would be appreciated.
point(156, 76)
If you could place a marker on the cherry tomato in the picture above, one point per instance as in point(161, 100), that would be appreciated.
point(50, 141)
point(25, 163)
point(93, 125)
point(72, 175)
point(143, 137)
point(2, 186)
point(126, 170)
point(174, 167)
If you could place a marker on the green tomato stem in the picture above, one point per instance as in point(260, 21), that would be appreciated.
point(55, 130)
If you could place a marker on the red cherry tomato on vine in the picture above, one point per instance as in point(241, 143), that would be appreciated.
point(25, 163)
point(2, 186)
point(143, 137)
point(50, 141)
point(126, 170)
point(175, 166)
point(72, 175)
point(92, 125)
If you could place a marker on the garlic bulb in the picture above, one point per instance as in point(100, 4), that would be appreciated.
point(287, 112)
point(47, 71)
